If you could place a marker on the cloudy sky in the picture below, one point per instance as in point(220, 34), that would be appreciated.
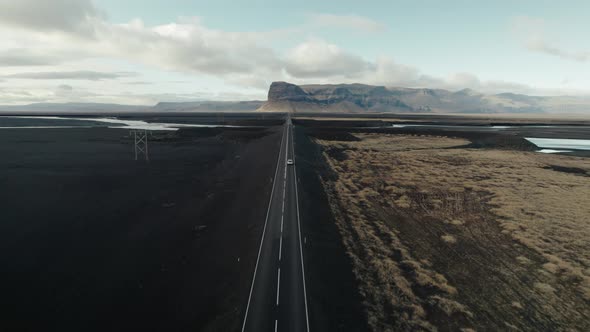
point(142, 51)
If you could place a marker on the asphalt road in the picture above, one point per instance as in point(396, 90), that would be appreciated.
point(277, 300)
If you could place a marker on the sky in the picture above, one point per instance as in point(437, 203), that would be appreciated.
point(143, 52)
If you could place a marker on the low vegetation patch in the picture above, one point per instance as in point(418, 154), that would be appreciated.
point(444, 237)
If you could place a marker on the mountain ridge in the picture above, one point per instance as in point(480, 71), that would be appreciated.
point(343, 98)
point(356, 97)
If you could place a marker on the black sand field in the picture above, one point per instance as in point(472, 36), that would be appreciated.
point(92, 240)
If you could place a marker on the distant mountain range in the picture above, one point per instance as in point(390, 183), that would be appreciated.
point(58, 108)
point(367, 98)
point(209, 106)
point(352, 98)
point(81, 108)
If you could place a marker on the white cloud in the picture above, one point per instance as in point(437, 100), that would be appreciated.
point(67, 93)
point(64, 87)
point(467, 80)
point(186, 46)
point(544, 47)
point(354, 22)
point(535, 37)
point(19, 96)
point(140, 83)
point(71, 16)
point(319, 59)
point(71, 75)
point(77, 27)
point(23, 58)
point(385, 71)
point(464, 80)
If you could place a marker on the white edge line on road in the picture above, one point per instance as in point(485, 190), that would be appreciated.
point(264, 230)
point(299, 228)
point(278, 286)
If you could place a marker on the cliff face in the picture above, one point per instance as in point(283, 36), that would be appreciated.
point(283, 91)
point(284, 96)
point(287, 97)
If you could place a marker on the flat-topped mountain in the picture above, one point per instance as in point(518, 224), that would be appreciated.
point(283, 96)
point(283, 91)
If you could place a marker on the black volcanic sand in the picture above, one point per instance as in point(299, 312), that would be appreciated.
point(334, 302)
point(201, 118)
point(224, 118)
point(92, 240)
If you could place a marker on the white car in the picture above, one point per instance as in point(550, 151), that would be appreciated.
point(289, 161)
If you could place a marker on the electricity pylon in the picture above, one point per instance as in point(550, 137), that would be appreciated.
point(141, 143)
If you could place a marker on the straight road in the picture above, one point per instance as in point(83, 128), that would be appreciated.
point(277, 300)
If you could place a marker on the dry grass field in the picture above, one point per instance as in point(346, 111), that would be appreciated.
point(448, 238)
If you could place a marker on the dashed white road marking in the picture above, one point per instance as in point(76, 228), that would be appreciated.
point(278, 285)
point(276, 325)
point(280, 247)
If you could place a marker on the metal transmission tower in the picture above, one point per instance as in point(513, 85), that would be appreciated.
point(141, 143)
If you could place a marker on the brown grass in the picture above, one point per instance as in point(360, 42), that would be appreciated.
point(452, 238)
